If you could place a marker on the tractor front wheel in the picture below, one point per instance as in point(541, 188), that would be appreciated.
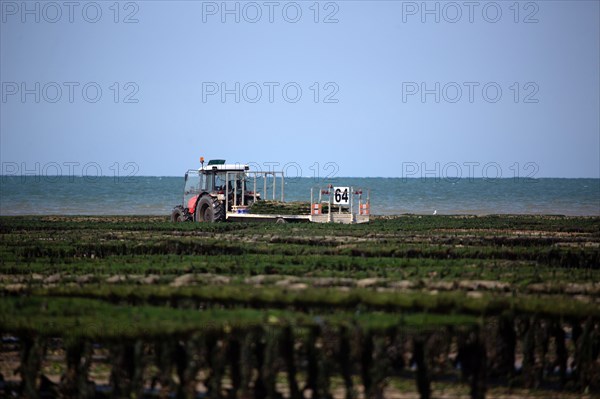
point(178, 215)
point(209, 210)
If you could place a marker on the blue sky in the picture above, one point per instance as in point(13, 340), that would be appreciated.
point(373, 88)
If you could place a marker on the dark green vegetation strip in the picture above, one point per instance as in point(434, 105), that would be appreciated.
point(327, 299)
point(408, 223)
point(88, 318)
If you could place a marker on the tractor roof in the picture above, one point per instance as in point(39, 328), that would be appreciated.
point(216, 162)
point(225, 167)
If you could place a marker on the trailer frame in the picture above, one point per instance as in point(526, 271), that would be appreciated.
point(240, 209)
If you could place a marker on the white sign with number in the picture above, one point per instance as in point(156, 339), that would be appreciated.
point(341, 195)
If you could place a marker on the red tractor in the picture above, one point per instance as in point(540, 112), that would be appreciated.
point(212, 191)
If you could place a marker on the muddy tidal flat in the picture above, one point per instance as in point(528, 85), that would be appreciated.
point(401, 307)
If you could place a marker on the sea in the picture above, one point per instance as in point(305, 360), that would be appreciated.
point(141, 195)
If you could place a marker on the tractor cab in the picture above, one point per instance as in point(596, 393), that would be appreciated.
point(215, 176)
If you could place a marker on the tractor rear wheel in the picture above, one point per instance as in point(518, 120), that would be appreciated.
point(178, 215)
point(209, 210)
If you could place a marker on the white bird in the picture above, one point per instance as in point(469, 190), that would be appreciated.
point(435, 212)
